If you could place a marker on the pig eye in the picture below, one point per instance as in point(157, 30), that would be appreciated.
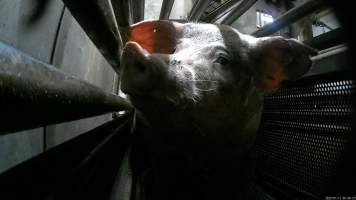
point(222, 60)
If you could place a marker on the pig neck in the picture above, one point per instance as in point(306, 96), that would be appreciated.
point(186, 145)
point(230, 123)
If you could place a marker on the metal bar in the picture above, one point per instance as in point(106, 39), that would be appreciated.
point(35, 94)
point(219, 11)
point(330, 51)
point(240, 9)
point(166, 9)
point(138, 8)
point(98, 21)
point(289, 17)
point(330, 61)
point(198, 9)
point(123, 12)
point(327, 39)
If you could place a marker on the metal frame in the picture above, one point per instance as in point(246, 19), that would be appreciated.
point(42, 102)
point(224, 7)
point(289, 17)
point(198, 9)
point(35, 94)
point(327, 40)
point(240, 9)
point(85, 162)
point(98, 21)
point(138, 10)
point(123, 12)
point(166, 9)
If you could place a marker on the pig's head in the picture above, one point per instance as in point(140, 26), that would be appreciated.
point(205, 82)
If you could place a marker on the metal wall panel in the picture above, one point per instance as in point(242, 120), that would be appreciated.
point(76, 54)
point(72, 52)
point(38, 41)
point(18, 147)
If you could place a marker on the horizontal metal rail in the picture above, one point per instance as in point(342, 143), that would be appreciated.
point(328, 39)
point(166, 9)
point(341, 48)
point(198, 9)
point(98, 21)
point(240, 9)
point(213, 15)
point(34, 94)
point(290, 17)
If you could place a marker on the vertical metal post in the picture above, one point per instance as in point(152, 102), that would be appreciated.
point(96, 19)
point(166, 9)
point(238, 11)
point(138, 9)
point(123, 12)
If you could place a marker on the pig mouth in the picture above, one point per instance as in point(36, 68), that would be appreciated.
point(173, 94)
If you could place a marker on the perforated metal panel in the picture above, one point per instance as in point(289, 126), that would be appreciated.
point(304, 130)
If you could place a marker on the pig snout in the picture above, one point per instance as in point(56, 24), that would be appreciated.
point(140, 70)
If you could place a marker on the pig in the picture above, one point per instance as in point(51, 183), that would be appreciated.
point(199, 90)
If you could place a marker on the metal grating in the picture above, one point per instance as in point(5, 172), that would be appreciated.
point(216, 5)
point(213, 5)
point(304, 130)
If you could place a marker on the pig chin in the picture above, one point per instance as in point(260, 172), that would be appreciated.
point(166, 111)
point(159, 101)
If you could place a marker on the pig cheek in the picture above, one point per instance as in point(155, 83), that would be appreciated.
point(180, 84)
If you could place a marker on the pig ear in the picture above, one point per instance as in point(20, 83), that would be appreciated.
point(277, 59)
point(154, 36)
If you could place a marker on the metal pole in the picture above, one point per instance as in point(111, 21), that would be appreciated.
point(198, 9)
point(166, 9)
point(123, 12)
point(98, 21)
point(219, 11)
point(238, 11)
point(34, 94)
point(289, 17)
point(138, 8)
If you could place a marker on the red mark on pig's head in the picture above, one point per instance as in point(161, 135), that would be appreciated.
point(155, 36)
